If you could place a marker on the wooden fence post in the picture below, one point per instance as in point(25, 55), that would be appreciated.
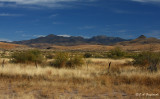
point(109, 66)
point(3, 63)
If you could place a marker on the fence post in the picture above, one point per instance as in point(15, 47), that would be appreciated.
point(3, 63)
point(109, 66)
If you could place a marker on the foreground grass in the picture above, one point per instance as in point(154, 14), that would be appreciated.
point(93, 81)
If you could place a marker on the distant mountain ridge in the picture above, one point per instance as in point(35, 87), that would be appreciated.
point(72, 40)
point(141, 40)
point(50, 40)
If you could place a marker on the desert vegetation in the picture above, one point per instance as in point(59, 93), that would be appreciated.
point(28, 56)
point(63, 75)
point(63, 59)
point(147, 59)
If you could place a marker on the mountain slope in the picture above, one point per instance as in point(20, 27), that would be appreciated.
point(141, 40)
point(105, 40)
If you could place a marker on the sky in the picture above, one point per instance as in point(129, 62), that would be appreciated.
point(128, 19)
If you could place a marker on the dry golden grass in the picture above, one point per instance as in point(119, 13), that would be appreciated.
point(118, 61)
point(19, 69)
point(28, 82)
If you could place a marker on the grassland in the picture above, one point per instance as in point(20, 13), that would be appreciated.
point(92, 80)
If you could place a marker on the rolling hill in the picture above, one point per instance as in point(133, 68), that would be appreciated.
point(8, 46)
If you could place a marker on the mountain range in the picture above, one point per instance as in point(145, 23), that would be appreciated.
point(72, 40)
point(51, 40)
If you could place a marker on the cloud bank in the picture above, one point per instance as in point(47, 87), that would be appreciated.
point(45, 3)
point(147, 1)
point(5, 40)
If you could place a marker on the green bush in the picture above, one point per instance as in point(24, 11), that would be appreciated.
point(63, 59)
point(87, 55)
point(75, 61)
point(116, 53)
point(29, 56)
point(60, 59)
point(146, 58)
point(98, 55)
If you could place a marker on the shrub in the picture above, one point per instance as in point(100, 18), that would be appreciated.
point(146, 58)
point(75, 61)
point(151, 59)
point(116, 53)
point(29, 56)
point(98, 55)
point(87, 55)
point(142, 59)
point(63, 59)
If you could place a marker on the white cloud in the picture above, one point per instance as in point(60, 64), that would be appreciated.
point(39, 35)
point(6, 40)
point(147, 1)
point(33, 3)
point(64, 35)
point(27, 35)
point(9, 14)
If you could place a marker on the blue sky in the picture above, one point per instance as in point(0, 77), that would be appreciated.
point(27, 19)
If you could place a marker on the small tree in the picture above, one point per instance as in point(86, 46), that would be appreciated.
point(116, 53)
